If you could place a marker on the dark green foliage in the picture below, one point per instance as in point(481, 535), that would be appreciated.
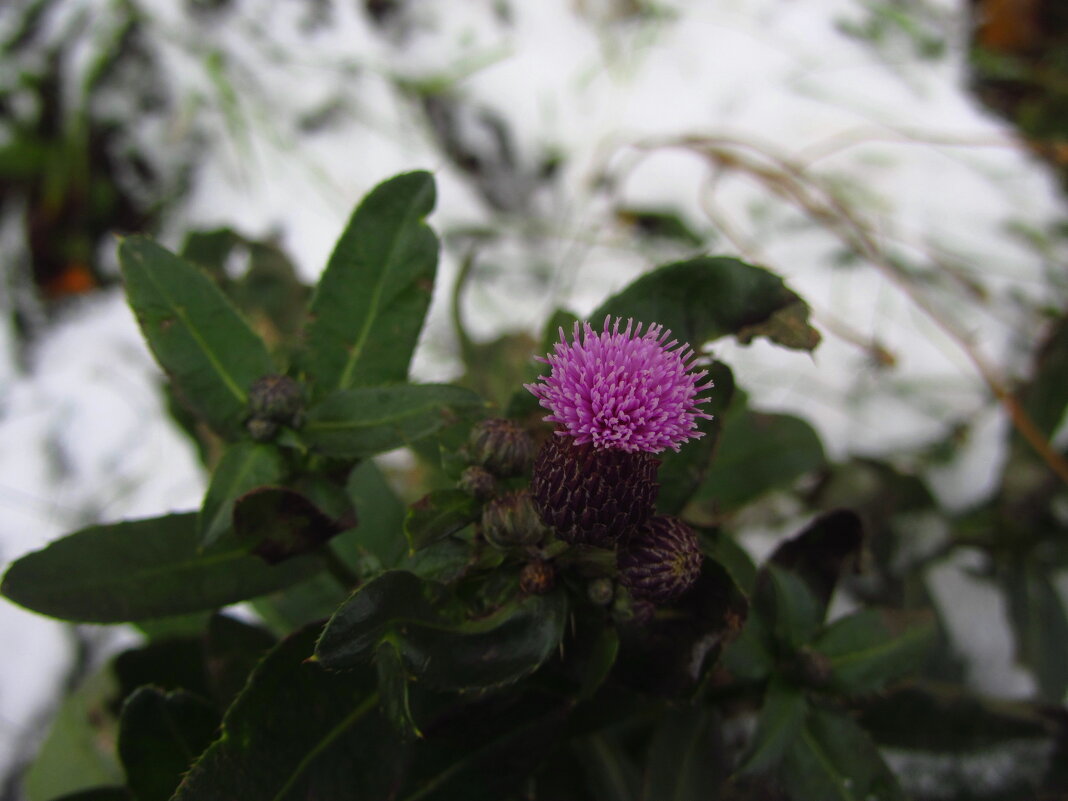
point(138, 570)
point(369, 306)
point(503, 636)
point(198, 337)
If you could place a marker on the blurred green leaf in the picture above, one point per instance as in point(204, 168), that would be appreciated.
point(297, 732)
point(864, 654)
point(497, 649)
point(833, 758)
point(381, 513)
point(752, 656)
point(782, 718)
point(437, 515)
point(368, 309)
point(788, 606)
point(197, 336)
point(77, 753)
point(682, 472)
point(97, 794)
point(174, 664)
point(660, 224)
point(950, 738)
point(159, 737)
point(244, 466)
point(1038, 621)
point(829, 544)
point(686, 756)
point(140, 569)
point(1045, 397)
point(758, 453)
point(362, 422)
point(708, 297)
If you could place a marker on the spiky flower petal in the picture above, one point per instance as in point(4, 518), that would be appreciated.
point(591, 496)
point(661, 560)
point(622, 389)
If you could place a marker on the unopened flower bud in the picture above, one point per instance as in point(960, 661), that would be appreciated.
point(660, 560)
point(600, 591)
point(593, 496)
point(277, 398)
point(537, 578)
point(511, 520)
point(478, 482)
point(261, 430)
point(501, 446)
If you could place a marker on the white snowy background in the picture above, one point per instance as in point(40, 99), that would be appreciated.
point(83, 437)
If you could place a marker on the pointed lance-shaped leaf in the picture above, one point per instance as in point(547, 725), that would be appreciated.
point(371, 300)
point(200, 340)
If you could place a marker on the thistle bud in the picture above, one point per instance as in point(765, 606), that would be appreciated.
point(511, 520)
point(261, 430)
point(501, 446)
point(478, 482)
point(593, 496)
point(277, 398)
point(660, 560)
point(537, 578)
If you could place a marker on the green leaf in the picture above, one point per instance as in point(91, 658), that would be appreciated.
point(358, 423)
point(496, 649)
point(864, 654)
point(788, 606)
point(393, 684)
point(758, 453)
point(782, 717)
point(140, 569)
point(297, 732)
point(176, 664)
point(829, 544)
point(380, 534)
point(232, 648)
point(437, 515)
point(161, 735)
point(197, 336)
point(686, 757)
point(371, 300)
point(751, 657)
point(601, 658)
point(1045, 398)
point(833, 758)
point(77, 753)
point(681, 473)
point(1038, 620)
point(708, 297)
point(98, 794)
point(243, 467)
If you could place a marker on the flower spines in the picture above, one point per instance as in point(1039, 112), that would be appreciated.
point(660, 560)
point(621, 389)
point(593, 496)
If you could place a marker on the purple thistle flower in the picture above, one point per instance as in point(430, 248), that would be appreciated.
point(623, 390)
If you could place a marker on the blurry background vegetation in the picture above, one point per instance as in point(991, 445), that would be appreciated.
point(576, 146)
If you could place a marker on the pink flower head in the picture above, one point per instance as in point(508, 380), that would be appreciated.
point(623, 389)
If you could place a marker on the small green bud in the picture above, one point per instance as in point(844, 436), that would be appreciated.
point(277, 398)
point(261, 430)
point(600, 591)
point(501, 446)
point(478, 482)
point(537, 578)
point(511, 520)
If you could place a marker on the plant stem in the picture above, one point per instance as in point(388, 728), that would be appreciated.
point(337, 568)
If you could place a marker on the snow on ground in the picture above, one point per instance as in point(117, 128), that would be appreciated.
point(82, 435)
